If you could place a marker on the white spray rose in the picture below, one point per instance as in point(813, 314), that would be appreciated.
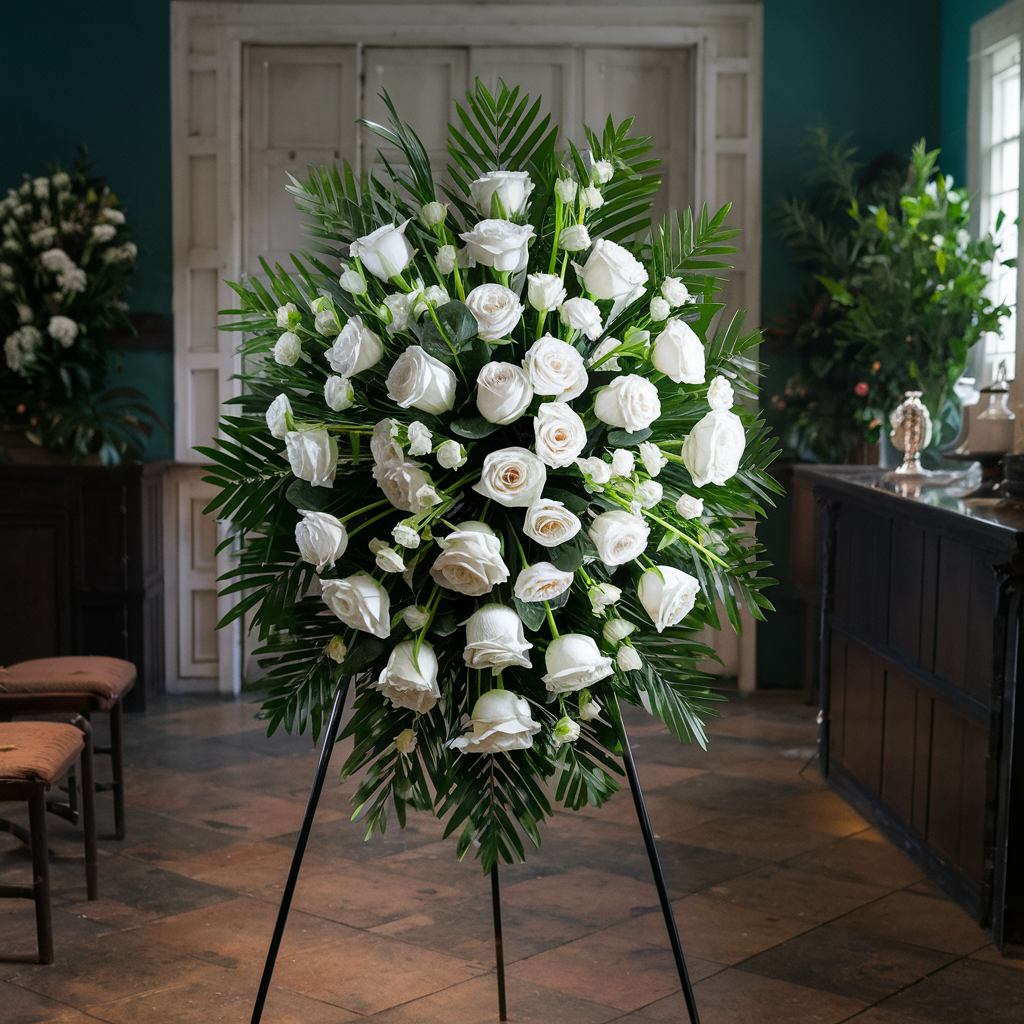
point(550, 523)
point(678, 353)
point(433, 213)
point(542, 581)
point(352, 281)
point(554, 367)
point(573, 662)
point(336, 649)
point(434, 296)
point(415, 616)
point(616, 630)
point(627, 658)
point(565, 731)
point(445, 259)
point(590, 710)
point(326, 323)
point(405, 742)
point(385, 253)
point(410, 679)
point(565, 189)
point(497, 310)
point(595, 469)
point(720, 393)
point(559, 434)
point(574, 238)
point(356, 349)
point(495, 639)
point(283, 315)
point(602, 596)
point(630, 402)
point(63, 329)
point(386, 557)
point(501, 721)
point(451, 455)
point(405, 536)
point(606, 347)
point(612, 272)
point(513, 188)
point(713, 449)
point(360, 602)
point(103, 232)
point(399, 308)
point(287, 349)
point(619, 537)
point(499, 244)
point(674, 291)
point(338, 393)
point(313, 456)
point(503, 392)
point(650, 454)
point(277, 416)
point(405, 485)
point(623, 461)
point(649, 493)
point(660, 309)
point(321, 537)
point(667, 598)
point(545, 291)
point(582, 315)
point(421, 440)
point(513, 477)
point(591, 198)
point(419, 380)
point(602, 171)
point(470, 560)
point(689, 507)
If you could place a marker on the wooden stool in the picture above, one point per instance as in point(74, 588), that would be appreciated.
point(77, 684)
point(33, 756)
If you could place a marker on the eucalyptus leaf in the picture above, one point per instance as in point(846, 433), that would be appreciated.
point(532, 613)
point(473, 427)
point(364, 652)
point(573, 502)
point(303, 494)
point(623, 438)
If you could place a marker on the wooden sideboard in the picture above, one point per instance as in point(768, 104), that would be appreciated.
point(920, 607)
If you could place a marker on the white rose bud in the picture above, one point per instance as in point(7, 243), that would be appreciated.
point(574, 238)
point(322, 538)
point(612, 272)
point(616, 630)
point(513, 477)
point(554, 367)
point(674, 291)
point(385, 253)
point(573, 662)
point(650, 454)
point(405, 485)
point(565, 189)
point(320, 304)
point(591, 198)
point(415, 616)
point(282, 314)
point(720, 394)
point(277, 416)
point(628, 660)
point(495, 639)
point(565, 731)
point(499, 244)
point(287, 349)
point(445, 259)
point(606, 347)
point(433, 213)
point(660, 309)
point(503, 392)
point(678, 353)
point(667, 598)
point(590, 710)
point(360, 602)
point(434, 296)
point(630, 402)
point(623, 462)
point(649, 493)
point(602, 171)
point(497, 310)
point(336, 649)
point(405, 536)
point(545, 291)
point(352, 281)
point(542, 582)
point(595, 469)
point(421, 440)
point(397, 312)
point(405, 742)
point(326, 322)
point(470, 560)
point(689, 507)
point(355, 349)
point(313, 456)
point(451, 455)
point(550, 523)
point(713, 449)
point(388, 559)
point(582, 315)
point(338, 393)
point(419, 380)
point(559, 434)
point(410, 679)
point(618, 537)
point(501, 721)
point(602, 596)
point(513, 188)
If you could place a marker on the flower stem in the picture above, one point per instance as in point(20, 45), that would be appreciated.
point(551, 621)
point(689, 540)
point(455, 355)
point(365, 508)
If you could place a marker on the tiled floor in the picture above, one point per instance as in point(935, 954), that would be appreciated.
point(791, 909)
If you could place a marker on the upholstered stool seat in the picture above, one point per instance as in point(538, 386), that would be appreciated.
point(33, 757)
point(75, 684)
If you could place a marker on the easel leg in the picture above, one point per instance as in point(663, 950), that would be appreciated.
point(652, 853)
point(499, 952)
point(330, 736)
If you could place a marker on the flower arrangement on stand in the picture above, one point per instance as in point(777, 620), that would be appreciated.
point(65, 259)
point(492, 470)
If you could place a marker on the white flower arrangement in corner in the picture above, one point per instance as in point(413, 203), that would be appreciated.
point(492, 470)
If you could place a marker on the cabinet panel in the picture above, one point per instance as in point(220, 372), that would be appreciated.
point(898, 746)
point(865, 703)
point(952, 610)
point(905, 582)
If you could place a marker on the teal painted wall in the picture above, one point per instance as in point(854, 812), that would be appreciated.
point(99, 73)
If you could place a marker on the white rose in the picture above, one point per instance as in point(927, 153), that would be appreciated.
point(595, 469)
point(445, 259)
point(565, 189)
point(623, 461)
point(499, 244)
point(606, 347)
point(602, 596)
point(545, 291)
point(689, 507)
point(405, 485)
point(630, 402)
point(674, 291)
point(616, 630)
point(352, 281)
point(434, 296)
point(503, 392)
point(573, 662)
point(667, 598)
point(581, 315)
point(360, 602)
point(678, 353)
point(590, 197)
point(713, 449)
point(590, 710)
point(627, 658)
point(554, 367)
point(405, 536)
point(387, 558)
point(501, 721)
point(287, 349)
point(497, 310)
point(410, 679)
point(550, 523)
point(660, 309)
point(103, 232)
point(542, 581)
point(574, 238)
point(618, 537)
point(338, 393)
point(383, 446)
point(720, 394)
point(385, 253)
point(513, 188)
point(336, 649)
point(612, 272)
point(405, 742)
point(421, 440)
point(433, 213)
point(356, 349)
point(565, 731)
point(451, 455)
point(470, 560)
point(313, 455)
point(283, 314)
point(63, 329)
point(649, 493)
point(559, 434)
point(513, 477)
point(419, 380)
point(602, 171)
point(399, 308)
point(277, 416)
point(321, 537)
point(415, 616)
point(326, 322)
point(495, 639)
point(650, 454)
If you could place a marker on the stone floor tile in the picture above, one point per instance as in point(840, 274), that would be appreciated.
point(156, 837)
point(110, 912)
point(860, 858)
point(780, 768)
point(18, 932)
point(1011, 956)
point(243, 867)
point(823, 811)
point(752, 836)
point(23, 1006)
point(758, 727)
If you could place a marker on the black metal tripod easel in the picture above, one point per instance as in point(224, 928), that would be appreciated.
point(330, 737)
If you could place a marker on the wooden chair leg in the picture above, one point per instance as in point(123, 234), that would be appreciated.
point(41, 873)
point(117, 768)
point(88, 807)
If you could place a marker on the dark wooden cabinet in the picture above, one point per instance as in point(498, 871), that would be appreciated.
point(920, 623)
point(81, 566)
